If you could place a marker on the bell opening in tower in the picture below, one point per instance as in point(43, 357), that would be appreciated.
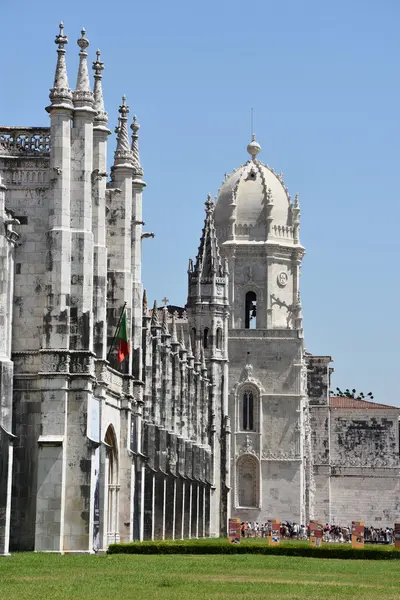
point(251, 310)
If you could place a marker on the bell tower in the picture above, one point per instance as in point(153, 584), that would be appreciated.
point(257, 225)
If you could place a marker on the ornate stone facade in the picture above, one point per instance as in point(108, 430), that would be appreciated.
point(176, 438)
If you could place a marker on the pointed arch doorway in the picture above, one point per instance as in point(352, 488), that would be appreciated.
point(112, 486)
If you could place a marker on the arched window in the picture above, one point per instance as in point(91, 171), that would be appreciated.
point(247, 481)
point(205, 338)
point(113, 486)
point(251, 310)
point(219, 338)
point(247, 411)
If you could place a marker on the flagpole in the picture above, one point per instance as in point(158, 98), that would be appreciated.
point(116, 331)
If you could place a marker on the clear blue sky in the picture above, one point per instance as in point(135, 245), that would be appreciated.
point(324, 80)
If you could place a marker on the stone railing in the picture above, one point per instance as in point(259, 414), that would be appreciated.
point(24, 140)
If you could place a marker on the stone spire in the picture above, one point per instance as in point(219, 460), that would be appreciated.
point(123, 154)
point(135, 148)
point(208, 260)
point(174, 333)
point(60, 93)
point(182, 339)
point(101, 117)
point(145, 304)
point(83, 96)
point(164, 324)
point(155, 321)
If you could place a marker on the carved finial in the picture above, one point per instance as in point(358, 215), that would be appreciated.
point(254, 147)
point(164, 325)
point(83, 95)
point(60, 94)
point(145, 304)
point(209, 204)
point(182, 338)
point(296, 201)
point(135, 147)
point(155, 321)
point(123, 152)
point(101, 116)
point(174, 333)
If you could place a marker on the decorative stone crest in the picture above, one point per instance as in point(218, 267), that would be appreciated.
point(247, 446)
point(282, 279)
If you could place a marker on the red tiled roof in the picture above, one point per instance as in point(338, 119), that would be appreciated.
point(344, 402)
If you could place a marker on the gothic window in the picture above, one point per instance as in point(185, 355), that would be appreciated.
point(219, 338)
point(247, 411)
point(247, 481)
point(251, 310)
point(205, 338)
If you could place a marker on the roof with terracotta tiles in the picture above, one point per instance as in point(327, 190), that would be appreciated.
point(345, 402)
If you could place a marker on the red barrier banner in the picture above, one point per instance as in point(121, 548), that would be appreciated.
point(357, 534)
point(316, 531)
point(397, 536)
point(274, 532)
point(234, 531)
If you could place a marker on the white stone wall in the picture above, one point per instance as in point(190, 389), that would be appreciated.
point(372, 496)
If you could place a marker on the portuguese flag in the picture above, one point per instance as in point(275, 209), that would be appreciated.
point(123, 348)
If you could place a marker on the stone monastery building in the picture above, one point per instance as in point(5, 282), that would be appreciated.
point(218, 410)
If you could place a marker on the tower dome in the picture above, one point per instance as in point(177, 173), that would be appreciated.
point(253, 204)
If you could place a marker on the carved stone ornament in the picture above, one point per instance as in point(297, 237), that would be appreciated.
point(279, 455)
point(247, 446)
point(282, 279)
point(247, 376)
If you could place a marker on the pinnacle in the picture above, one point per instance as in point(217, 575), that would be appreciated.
point(155, 321)
point(123, 154)
point(164, 325)
point(182, 338)
point(60, 94)
point(174, 333)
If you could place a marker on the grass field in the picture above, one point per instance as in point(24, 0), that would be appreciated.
point(246, 577)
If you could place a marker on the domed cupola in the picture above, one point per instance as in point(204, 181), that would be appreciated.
point(253, 205)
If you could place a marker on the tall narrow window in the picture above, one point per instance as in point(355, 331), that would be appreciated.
point(251, 310)
point(219, 338)
point(248, 411)
point(205, 338)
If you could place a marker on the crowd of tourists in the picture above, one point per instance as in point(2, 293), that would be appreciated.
point(331, 533)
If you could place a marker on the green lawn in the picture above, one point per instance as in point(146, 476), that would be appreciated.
point(245, 577)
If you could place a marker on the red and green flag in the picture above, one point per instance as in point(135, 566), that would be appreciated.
point(123, 348)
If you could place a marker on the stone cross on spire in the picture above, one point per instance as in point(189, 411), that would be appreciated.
point(83, 95)
point(123, 152)
point(60, 94)
point(101, 116)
